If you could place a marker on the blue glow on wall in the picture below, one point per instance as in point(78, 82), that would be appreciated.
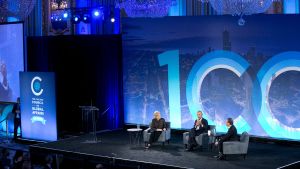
point(291, 6)
point(12, 19)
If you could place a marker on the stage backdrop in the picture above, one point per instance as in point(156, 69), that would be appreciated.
point(11, 60)
point(88, 70)
point(179, 65)
point(38, 106)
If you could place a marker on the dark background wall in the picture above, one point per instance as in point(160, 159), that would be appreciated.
point(88, 70)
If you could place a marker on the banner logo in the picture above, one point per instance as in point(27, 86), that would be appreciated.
point(36, 86)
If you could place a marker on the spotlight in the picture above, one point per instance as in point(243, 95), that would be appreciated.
point(86, 18)
point(76, 19)
point(66, 15)
point(112, 20)
point(96, 13)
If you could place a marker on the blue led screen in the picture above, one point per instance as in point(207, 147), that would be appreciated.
point(179, 65)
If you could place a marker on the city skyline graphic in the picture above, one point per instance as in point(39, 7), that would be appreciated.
point(223, 93)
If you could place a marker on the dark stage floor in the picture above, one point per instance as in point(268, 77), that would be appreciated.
point(116, 143)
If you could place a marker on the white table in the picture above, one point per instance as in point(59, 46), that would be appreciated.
point(134, 135)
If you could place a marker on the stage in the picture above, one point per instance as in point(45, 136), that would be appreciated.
point(115, 150)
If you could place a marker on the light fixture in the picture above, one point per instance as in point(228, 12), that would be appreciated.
point(21, 9)
point(96, 13)
point(146, 8)
point(77, 15)
point(54, 5)
point(65, 15)
point(86, 18)
point(76, 19)
point(240, 7)
point(112, 20)
point(63, 4)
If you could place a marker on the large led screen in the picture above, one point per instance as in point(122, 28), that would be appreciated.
point(11, 60)
point(179, 65)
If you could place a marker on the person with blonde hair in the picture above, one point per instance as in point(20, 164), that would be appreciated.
point(158, 125)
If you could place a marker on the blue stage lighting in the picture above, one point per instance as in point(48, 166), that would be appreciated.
point(96, 13)
point(112, 20)
point(86, 18)
point(76, 19)
point(66, 15)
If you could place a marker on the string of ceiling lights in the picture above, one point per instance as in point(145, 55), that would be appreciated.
point(61, 12)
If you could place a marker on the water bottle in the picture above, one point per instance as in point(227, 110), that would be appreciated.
point(138, 126)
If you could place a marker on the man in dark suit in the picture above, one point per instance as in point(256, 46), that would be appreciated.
point(231, 135)
point(17, 117)
point(200, 126)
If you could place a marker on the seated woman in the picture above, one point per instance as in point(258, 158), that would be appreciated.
point(158, 125)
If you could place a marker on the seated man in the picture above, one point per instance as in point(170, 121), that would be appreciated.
point(158, 125)
point(231, 135)
point(200, 126)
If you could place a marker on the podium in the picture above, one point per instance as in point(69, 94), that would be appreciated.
point(89, 112)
